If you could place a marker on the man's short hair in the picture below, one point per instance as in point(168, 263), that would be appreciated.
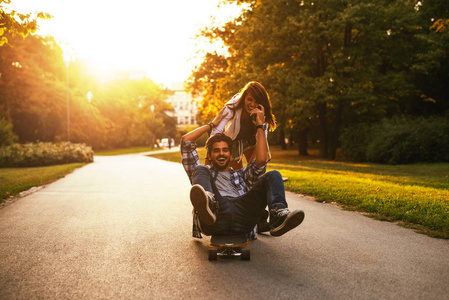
point(218, 137)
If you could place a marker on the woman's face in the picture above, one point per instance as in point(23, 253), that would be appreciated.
point(250, 103)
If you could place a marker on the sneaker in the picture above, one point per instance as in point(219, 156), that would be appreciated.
point(204, 204)
point(282, 220)
point(263, 225)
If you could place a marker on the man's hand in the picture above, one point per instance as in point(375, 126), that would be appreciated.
point(220, 116)
point(195, 134)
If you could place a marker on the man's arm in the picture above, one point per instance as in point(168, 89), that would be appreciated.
point(195, 134)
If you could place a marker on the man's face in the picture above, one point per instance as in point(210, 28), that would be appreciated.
point(220, 156)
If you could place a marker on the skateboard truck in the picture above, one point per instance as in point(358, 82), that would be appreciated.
point(229, 246)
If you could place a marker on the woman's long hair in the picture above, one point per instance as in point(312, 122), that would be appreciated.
point(261, 95)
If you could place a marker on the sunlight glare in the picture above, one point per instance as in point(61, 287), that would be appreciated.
point(154, 36)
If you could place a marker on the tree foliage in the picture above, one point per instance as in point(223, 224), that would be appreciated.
point(7, 136)
point(13, 23)
point(330, 64)
point(33, 98)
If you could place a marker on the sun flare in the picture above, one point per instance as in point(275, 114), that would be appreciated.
point(154, 36)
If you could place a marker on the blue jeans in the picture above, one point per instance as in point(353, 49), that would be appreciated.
point(239, 215)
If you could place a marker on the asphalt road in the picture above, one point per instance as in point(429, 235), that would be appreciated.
point(120, 228)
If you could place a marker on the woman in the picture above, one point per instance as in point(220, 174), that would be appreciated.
point(238, 123)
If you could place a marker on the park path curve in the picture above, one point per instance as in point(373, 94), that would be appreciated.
point(121, 228)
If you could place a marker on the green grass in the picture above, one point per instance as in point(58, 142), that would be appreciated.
point(415, 196)
point(15, 180)
point(406, 198)
point(124, 151)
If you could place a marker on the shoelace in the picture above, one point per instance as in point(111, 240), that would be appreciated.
point(282, 211)
point(213, 204)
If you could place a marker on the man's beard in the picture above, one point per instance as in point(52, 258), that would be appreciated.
point(218, 167)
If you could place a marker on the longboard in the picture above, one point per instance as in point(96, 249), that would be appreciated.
point(228, 246)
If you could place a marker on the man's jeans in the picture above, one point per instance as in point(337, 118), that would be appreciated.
point(241, 214)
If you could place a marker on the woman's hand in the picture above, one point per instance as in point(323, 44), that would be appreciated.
point(259, 114)
point(220, 116)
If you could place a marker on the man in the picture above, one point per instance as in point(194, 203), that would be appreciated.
point(230, 202)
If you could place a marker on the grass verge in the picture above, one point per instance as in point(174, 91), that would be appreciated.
point(124, 151)
point(415, 196)
point(15, 180)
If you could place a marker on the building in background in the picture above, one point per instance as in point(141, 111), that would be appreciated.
point(185, 106)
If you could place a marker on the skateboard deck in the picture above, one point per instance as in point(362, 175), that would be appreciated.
point(228, 246)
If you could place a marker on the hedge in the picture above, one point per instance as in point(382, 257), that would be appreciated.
point(44, 154)
point(398, 141)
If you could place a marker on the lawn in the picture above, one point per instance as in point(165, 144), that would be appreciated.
point(121, 151)
point(15, 180)
point(414, 196)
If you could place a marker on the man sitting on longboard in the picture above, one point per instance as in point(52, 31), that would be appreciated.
point(228, 202)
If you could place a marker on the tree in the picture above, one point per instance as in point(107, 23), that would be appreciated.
point(127, 104)
point(327, 64)
point(432, 69)
point(31, 87)
point(33, 98)
point(7, 136)
point(13, 23)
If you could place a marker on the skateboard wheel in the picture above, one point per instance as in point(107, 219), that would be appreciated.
point(212, 254)
point(246, 254)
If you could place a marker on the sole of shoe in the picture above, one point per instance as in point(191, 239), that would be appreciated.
point(200, 202)
point(294, 219)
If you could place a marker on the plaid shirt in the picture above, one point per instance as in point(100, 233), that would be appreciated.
point(243, 179)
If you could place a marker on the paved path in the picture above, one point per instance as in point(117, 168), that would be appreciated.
point(121, 228)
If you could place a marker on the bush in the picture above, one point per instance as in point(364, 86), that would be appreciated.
point(7, 136)
point(392, 142)
point(354, 141)
point(44, 154)
point(433, 140)
point(399, 141)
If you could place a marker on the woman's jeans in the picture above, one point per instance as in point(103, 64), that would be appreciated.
point(240, 215)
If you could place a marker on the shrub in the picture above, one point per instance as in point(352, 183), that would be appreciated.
point(392, 142)
point(354, 141)
point(44, 154)
point(433, 140)
point(399, 141)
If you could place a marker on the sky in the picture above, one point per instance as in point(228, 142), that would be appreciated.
point(156, 36)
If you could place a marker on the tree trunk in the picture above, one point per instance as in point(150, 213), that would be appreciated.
point(282, 138)
point(291, 133)
point(323, 130)
point(333, 141)
point(303, 135)
point(335, 131)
